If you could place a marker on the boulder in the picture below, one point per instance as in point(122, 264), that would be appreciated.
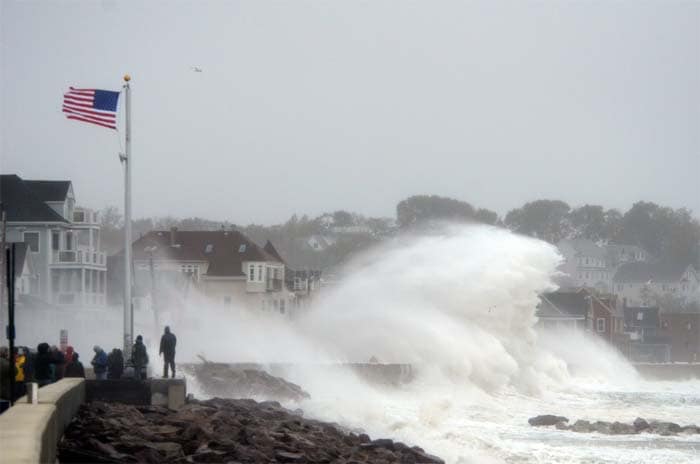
point(640, 424)
point(546, 420)
point(619, 428)
point(581, 426)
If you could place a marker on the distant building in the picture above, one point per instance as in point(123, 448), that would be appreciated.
point(649, 344)
point(585, 264)
point(305, 284)
point(318, 242)
point(224, 266)
point(617, 254)
point(683, 331)
point(564, 309)
point(640, 283)
point(64, 264)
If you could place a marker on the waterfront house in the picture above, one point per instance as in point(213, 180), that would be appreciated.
point(64, 264)
point(223, 266)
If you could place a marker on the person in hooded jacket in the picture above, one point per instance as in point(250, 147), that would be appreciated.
point(139, 357)
point(115, 364)
point(75, 368)
point(42, 365)
point(167, 350)
point(99, 363)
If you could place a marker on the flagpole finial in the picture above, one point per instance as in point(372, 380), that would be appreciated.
point(127, 78)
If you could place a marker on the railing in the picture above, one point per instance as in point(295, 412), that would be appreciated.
point(79, 257)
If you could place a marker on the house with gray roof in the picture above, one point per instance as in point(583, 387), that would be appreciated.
point(64, 264)
point(640, 283)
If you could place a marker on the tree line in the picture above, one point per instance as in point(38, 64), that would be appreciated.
point(666, 233)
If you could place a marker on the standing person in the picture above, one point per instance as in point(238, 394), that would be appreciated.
point(75, 368)
point(99, 363)
point(42, 364)
point(5, 373)
point(139, 357)
point(59, 363)
point(20, 360)
point(115, 364)
point(167, 350)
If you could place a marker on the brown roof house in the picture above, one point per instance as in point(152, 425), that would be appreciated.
point(224, 266)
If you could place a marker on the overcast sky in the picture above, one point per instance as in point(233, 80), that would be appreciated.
point(315, 106)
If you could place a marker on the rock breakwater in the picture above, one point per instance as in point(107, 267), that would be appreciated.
point(614, 428)
point(221, 430)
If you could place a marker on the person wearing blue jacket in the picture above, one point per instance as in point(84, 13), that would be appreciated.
point(99, 363)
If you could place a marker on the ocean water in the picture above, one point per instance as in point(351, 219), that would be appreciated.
point(459, 306)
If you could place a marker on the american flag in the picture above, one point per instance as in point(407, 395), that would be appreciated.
point(92, 105)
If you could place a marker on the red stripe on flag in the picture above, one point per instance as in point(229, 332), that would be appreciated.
point(92, 112)
point(78, 105)
point(89, 116)
point(79, 118)
point(79, 101)
point(82, 90)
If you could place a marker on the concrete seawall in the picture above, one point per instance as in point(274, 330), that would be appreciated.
point(675, 371)
point(29, 433)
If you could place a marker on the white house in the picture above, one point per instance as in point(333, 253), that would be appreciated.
point(585, 264)
point(640, 283)
point(65, 264)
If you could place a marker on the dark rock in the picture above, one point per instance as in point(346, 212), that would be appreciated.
point(601, 427)
point(690, 429)
point(284, 456)
point(640, 424)
point(381, 443)
point(618, 428)
point(221, 430)
point(664, 428)
point(546, 420)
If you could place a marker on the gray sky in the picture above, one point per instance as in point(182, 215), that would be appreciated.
point(313, 106)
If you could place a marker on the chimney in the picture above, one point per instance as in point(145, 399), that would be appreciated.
point(173, 236)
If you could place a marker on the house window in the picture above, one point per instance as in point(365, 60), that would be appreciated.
point(600, 324)
point(79, 216)
point(260, 273)
point(55, 240)
point(241, 249)
point(69, 240)
point(32, 241)
point(209, 248)
point(251, 273)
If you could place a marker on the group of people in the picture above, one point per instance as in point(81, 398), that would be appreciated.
point(46, 365)
point(49, 364)
point(111, 366)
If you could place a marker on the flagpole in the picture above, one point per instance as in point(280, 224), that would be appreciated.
point(128, 306)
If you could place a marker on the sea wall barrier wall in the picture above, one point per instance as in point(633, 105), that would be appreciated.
point(671, 371)
point(29, 433)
